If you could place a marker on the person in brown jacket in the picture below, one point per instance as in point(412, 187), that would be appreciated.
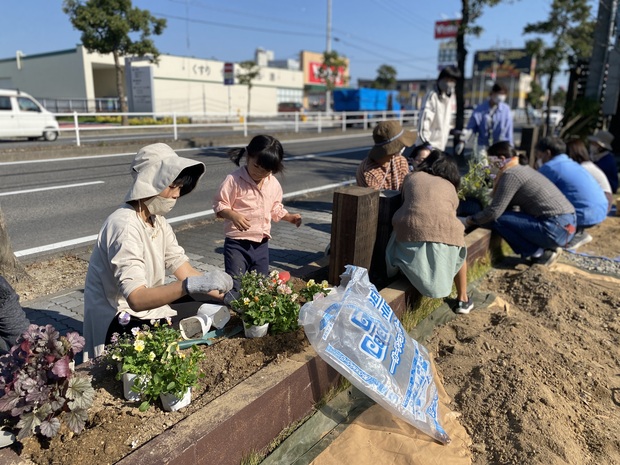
point(428, 241)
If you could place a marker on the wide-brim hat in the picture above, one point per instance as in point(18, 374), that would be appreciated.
point(156, 166)
point(390, 138)
point(602, 138)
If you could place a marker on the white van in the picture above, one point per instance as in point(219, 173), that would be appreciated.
point(22, 116)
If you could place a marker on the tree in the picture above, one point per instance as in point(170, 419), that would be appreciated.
point(116, 27)
point(332, 73)
point(471, 10)
point(249, 71)
point(536, 94)
point(559, 97)
point(571, 32)
point(386, 77)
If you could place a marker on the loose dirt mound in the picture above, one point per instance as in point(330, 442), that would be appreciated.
point(537, 379)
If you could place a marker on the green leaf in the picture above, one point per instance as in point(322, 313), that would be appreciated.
point(27, 423)
point(76, 419)
point(50, 427)
point(81, 391)
point(144, 406)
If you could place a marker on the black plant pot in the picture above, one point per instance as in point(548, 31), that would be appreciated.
point(469, 206)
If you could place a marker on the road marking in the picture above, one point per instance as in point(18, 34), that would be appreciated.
point(40, 189)
point(176, 219)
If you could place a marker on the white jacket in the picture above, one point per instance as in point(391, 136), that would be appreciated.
point(435, 119)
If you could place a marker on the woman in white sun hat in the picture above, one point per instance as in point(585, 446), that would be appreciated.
point(136, 249)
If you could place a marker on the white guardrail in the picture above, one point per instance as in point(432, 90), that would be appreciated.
point(296, 122)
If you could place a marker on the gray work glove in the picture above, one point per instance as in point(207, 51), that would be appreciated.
point(198, 287)
point(458, 149)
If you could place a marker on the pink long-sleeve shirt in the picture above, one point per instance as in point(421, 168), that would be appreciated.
point(240, 193)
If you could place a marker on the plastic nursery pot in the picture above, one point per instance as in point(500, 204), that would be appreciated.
point(255, 331)
point(195, 326)
point(172, 403)
point(219, 314)
point(128, 381)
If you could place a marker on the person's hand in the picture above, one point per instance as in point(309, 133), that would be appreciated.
point(463, 219)
point(199, 287)
point(458, 148)
point(295, 219)
point(240, 221)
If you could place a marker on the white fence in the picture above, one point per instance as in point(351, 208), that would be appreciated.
point(293, 122)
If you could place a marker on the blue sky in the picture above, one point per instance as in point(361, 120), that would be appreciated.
point(368, 32)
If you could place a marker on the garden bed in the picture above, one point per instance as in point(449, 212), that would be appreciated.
point(254, 391)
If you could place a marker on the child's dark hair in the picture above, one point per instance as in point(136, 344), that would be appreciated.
point(441, 164)
point(267, 150)
point(418, 148)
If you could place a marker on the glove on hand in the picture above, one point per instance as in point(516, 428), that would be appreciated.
point(463, 219)
point(458, 149)
point(197, 287)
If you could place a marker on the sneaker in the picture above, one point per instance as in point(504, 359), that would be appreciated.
point(548, 257)
point(465, 307)
point(580, 238)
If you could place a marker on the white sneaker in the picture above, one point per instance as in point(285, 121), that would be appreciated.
point(580, 238)
point(465, 307)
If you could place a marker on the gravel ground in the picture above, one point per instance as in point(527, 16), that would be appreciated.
point(592, 263)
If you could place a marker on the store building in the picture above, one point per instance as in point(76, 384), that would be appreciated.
point(76, 79)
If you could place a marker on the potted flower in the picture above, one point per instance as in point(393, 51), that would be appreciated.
point(38, 386)
point(270, 302)
point(474, 192)
point(162, 370)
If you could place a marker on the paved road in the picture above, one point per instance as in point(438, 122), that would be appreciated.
point(55, 204)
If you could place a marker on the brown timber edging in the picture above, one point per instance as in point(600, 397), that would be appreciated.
point(252, 414)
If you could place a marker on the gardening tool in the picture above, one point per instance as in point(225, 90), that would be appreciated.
point(211, 337)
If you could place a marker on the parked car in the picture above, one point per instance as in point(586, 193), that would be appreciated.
point(290, 107)
point(22, 116)
point(555, 115)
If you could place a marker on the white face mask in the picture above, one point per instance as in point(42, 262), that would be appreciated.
point(159, 205)
point(500, 98)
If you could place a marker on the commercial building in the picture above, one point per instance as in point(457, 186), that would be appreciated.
point(77, 80)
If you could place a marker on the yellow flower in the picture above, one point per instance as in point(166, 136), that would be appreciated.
point(151, 356)
point(310, 283)
point(255, 298)
point(246, 301)
point(138, 345)
point(324, 284)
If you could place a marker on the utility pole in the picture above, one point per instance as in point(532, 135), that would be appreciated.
point(602, 35)
point(328, 48)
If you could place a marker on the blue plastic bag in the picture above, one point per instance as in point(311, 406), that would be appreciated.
point(356, 332)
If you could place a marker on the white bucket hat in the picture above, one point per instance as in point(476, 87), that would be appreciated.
point(155, 167)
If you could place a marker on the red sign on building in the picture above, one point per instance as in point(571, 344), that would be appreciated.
point(447, 29)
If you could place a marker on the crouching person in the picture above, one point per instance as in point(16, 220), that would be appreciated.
point(428, 242)
point(545, 220)
point(135, 250)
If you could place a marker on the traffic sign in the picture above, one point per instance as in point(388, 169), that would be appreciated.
point(229, 74)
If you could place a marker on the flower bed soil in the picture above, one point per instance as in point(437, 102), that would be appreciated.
point(116, 427)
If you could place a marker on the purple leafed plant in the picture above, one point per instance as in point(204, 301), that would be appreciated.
point(38, 384)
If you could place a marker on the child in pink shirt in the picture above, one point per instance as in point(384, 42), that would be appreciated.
point(249, 199)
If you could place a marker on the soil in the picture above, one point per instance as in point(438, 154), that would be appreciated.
point(536, 378)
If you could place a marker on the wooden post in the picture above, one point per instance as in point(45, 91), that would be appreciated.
point(354, 229)
point(529, 138)
point(389, 202)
